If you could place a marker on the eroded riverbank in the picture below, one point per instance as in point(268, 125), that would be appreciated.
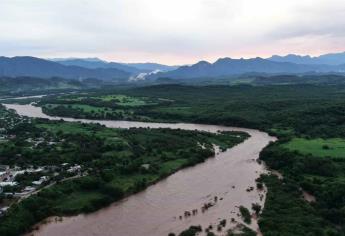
point(157, 210)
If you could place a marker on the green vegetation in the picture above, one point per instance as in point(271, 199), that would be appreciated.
point(98, 106)
point(245, 215)
point(242, 230)
point(318, 147)
point(303, 110)
point(123, 100)
point(286, 210)
point(192, 231)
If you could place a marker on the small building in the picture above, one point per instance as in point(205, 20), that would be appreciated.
point(145, 166)
point(41, 180)
point(73, 169)
point(3, 210)
point(29, 189)
point(3, 184)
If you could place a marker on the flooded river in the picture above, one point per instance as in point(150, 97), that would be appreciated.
point(156, 211)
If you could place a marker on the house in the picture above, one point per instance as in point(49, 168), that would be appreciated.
point(75, 168)
point(41, 180)
point(145, 166)
point(3, 184)
point(3, 210)
point(29, 189)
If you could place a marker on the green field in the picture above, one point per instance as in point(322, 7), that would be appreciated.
point(334, 147)
point(114, 99)
point(89, 111)
point(123, 100)
point(81, 107)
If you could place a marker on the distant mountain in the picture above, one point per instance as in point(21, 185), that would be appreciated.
point(36, 67)
point(95, 63)
point(230, 67)
point(327, 59)
point(133, 68)
point(152, 66)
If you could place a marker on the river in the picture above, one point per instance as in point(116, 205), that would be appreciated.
point(156, 211)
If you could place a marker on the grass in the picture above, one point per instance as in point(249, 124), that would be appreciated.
point(75, 128)
point(76, 201)
point(123, 100)
point(334, 147)
point(245, 215)
point(128, 182)
point(170, 166)
point(88, 111)
point(84, 108)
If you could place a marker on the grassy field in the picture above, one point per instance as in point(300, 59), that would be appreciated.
point(124, 100)
point(77, 128)
point(116, 99)
point(334, 147)
point(81, 107)
point(89, 111)
point(77, 201)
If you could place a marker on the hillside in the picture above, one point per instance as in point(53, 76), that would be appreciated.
point(35, 67)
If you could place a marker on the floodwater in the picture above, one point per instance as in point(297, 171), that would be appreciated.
point(156, 211)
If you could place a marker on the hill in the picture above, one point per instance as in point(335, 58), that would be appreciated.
point(95, 63)
point(36, 67)
point(132, 68)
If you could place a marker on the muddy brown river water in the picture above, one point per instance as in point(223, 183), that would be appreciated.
point(156, 210)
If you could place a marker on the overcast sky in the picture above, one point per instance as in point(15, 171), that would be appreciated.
point(170, 31)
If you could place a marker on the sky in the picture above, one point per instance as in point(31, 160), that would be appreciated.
point(170, 31)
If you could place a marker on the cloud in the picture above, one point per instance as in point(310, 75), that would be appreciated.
point(170, 31)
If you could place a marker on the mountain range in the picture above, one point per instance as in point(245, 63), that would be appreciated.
point(36, 67)
point(230, 67)
point(86, 68)
point(326, 59)
point(74, 68)
point(133, 68)
point(95, 63)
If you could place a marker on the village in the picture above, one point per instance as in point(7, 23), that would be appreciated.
point(17, 183)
